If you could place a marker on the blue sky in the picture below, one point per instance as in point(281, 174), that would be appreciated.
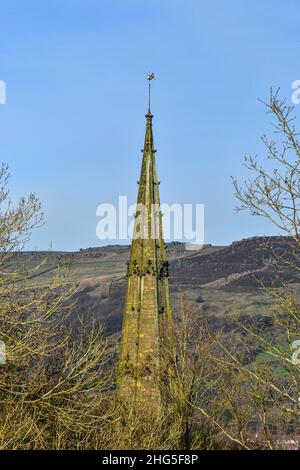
point(73, 125)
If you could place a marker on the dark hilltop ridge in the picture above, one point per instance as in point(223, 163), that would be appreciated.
point(217, 280)
point(239, 265)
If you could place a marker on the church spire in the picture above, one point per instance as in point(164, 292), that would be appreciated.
point(147, 305)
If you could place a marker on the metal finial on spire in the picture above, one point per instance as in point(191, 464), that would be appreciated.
point(150, 77)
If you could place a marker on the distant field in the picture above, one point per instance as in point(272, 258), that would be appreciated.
point(94, 263)
point(223, 302)
point(218, 281)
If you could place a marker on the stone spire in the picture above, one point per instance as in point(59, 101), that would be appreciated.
point(147, 306)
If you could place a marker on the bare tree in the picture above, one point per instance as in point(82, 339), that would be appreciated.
point(53, 386)
point(274, 194)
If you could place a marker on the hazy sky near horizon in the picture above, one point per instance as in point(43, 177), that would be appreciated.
point(73, 125)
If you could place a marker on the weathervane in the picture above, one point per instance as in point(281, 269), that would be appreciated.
point(150, 77)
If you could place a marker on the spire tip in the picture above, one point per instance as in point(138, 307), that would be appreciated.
point(150, 77)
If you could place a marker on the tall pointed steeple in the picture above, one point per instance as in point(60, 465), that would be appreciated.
point(147, 306)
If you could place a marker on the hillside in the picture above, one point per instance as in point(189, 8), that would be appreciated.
point(217, 280)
